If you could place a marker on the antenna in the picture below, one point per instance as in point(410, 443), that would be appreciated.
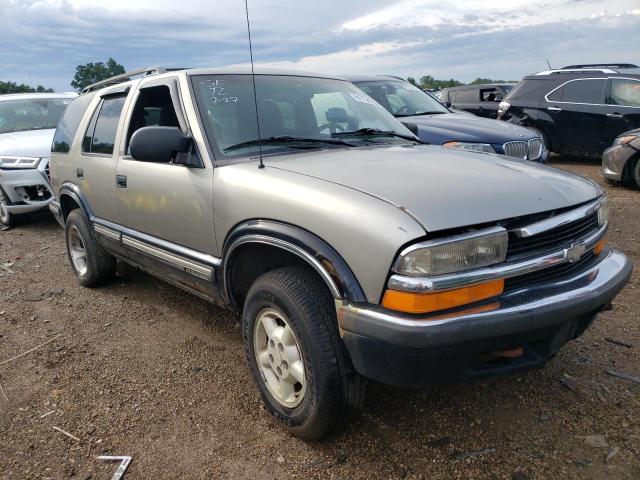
point(549, 64)
point(253, 79)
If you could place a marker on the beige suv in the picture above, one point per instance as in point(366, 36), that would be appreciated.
point(350, 249)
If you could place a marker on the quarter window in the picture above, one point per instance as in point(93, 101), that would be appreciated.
point(101, 133)
point(624, 92)
point(583, 91)
point(68, 126)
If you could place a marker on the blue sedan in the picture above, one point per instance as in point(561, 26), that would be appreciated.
point(437, 125)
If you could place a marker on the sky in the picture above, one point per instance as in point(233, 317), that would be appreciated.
point(44, 40)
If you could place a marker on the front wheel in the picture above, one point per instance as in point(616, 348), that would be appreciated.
point(635, 173)
point(91, 264)
point(295, 355)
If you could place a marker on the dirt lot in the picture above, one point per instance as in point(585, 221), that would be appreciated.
point(140, 368)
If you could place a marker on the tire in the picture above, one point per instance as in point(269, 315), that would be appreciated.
point(331, 390)
point(6, 219)
point(635, 173)
point(91, 264)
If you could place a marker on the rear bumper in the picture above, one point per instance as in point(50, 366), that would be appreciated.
point(614, 161)
point(406, 350)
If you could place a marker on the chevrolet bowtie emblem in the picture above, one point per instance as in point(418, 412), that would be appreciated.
point(574, 252)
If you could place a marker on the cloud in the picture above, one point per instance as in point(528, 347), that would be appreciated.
point(43, 40)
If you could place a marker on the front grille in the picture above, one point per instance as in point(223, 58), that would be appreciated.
point(547, 275)
point(555, 239)
point(535, 148)
point(516, 149)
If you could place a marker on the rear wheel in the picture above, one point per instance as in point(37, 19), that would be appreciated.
point(6, 219)
point(295, 354)
point(91, 264)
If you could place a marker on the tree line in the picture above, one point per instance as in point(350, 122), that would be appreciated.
point(90, 73)
point(427, 82)
point(85, 75)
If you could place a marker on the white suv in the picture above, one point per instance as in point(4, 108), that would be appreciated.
point(27, 125)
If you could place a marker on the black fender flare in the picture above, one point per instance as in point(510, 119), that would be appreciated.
point(73, 191)
point(328, 263)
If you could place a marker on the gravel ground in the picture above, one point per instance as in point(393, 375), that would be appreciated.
point(140, 368)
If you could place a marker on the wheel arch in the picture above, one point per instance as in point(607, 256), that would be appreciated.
point(286, 244)
point(71, 198)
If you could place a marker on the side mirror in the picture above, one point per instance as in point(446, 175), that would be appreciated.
point(412, 127)
point(158, 144)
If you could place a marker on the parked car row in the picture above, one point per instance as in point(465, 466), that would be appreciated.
point(350, 247)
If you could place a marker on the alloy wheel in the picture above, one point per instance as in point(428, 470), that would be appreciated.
point(279, 358)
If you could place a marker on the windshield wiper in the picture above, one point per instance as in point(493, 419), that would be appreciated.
point(285, 139)
point(374, 132)
point(419, 113)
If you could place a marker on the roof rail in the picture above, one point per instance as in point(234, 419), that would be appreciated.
point(600, 65)
point(574, 70)
point(125, 77)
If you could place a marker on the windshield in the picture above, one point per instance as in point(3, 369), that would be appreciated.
point(32, 114)
point(402, 99)
point(294, 112)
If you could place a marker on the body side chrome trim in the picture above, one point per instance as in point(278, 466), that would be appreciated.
point(106, 232)
point(507, 270)
point(187, 266)
point(606, 79)
point(558, 220)
point(335, 291)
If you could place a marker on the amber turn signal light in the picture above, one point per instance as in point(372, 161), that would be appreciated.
point(600, 246)
point(409, 302)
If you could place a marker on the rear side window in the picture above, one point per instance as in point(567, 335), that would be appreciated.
point(624, 92)
point(101, 133)
point(69, 123)
point(583, 91)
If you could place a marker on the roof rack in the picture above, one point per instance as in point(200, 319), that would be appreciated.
point(125, 77)
point(600, 65)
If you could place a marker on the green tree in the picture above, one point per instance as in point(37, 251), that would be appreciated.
point(429, 83)
point(13, 87)
point(479, 81)
point(95, 72)
point(412, 81)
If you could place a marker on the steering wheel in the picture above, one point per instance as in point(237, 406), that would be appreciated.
point(332, 127)
point(404, 110)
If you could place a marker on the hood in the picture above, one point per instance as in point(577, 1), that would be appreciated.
point(31, 143)
point(445, 188)
point(447, 127)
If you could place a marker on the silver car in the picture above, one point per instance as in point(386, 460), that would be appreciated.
point(27, 124)
point(350, 249)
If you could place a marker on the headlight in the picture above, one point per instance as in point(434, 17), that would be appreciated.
point(10, 163)
point(625, 139)
point(603, 211)
point(474, 147)
point(454, 254)
point(502, 108)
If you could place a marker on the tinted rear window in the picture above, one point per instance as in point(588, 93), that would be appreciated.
point(527, 87)
point(68, 126)
point(583, 91)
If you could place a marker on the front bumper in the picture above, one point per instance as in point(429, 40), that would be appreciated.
point(28, 190)
point(407, 350)
point(614, 161)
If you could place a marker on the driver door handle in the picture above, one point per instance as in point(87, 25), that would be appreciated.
point(614, 115)
point(554, 109)
point(121, 181)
